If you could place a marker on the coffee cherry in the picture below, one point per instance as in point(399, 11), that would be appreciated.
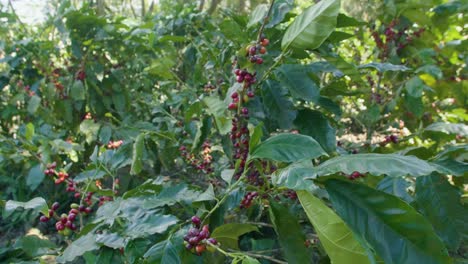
point(74, 206)
point(252, 50)
point(262, 50)
point(232, 106)
point(196, 220)
point(59, 226)
point(265, 42)
point(188, 246)
point(213, 241)
point(200, 248)
point(43, 218)
point(71, 217)
point(245, 111)
point(203, 234)
point(194, 240)
point(81, 208)
point(234, 95)
point(68, 224)
point(88, 210)
point(259, 60)
point(239, 78)
point(55, 206)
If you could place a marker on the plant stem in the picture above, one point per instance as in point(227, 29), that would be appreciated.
point(265, 21)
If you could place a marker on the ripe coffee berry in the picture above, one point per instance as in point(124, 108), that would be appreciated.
point(196, 220)
point(55, 206)
point(43, 218)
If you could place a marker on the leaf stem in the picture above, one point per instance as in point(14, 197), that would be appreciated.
point(265, 21)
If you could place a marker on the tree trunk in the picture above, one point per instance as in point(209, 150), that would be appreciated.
point(214, 4)
point(202, 4)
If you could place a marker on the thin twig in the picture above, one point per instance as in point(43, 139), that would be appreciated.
point(265, 21)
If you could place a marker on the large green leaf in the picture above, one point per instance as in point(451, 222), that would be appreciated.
point(383, 67)
point(228, 234)
point(34, 245)
point(288, 148)
point(315, 124)
point(78, 247)
point(396, 186)
point(137, 156)
point(296, 78)
point(163, 252)
point(440, 202)
point(335, 236)
point(290, 234)
point(35, 177)
point(394, 229)
point(311, 28)
point(295, 176)
point(449, 128)
point(37, 204)
point(376, 164)
point(278, 105)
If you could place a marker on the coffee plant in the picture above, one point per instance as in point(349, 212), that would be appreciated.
point(296, 132)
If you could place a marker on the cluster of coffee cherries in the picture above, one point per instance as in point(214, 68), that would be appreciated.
point(114, 144)
point(80, 75)
point(65, 222)
point(291, 194)
point(204, 163)
point(257, 48)
point(247, 200)
point(207, 88)
point(389, 139)
point(198, 238)
point(59, 176)
point(355, 175)
point(399, 38)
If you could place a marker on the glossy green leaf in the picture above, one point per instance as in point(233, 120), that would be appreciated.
point(440, 202)
point(390, 226)
point(78, 248)
point(278, 105)
point(335, 236)
point(163, 252)
point(111, 240)
point(258, 14)
point(290, 234)
point(33, 104)
point(296, 176)
point(346, 21)
point(77, 91)
point(448, 128)
point(288, 148)
point(29, 131)
point(315, 124)
point(137, 155)
point(256, 136)
point(37, 204)
point(296, 78)
point(383, 67)
point(280, 9)
point(249, 260)
point(311, 28)
point(34, 245)
point(35, 177)
point(228, 234)
point(376, 164)
point(396, 186)
point(90, 175)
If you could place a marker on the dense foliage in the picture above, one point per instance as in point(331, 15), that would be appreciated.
point(330, 133)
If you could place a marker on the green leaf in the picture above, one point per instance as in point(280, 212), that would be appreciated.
point(346, 21)
point(77, 91)
point(29, 132)
point(393, 228)
point(228, 234)
point(383, 67)
point(288, 148)
point(90, 129)
point(396, 186)
point(33, 104)
point(311, 28)
point(78, 248)
point(163, 252)
point(297, 79)
point(111, 240)
point(37, 204)
point(217, 108)
point(448, 128)
point(335, 236)
point(34, 246)
point(315, 124)
point(256, 135)
point(258, 15)
point(35, 177)
point(344, 67)
point(137, 154)
point(296, 177)
point(280, 9)
point(146, 223)
point(278, 106)
point(376, 164)
point(290, 234)
point(90, 175)
point(249, 260)
point(440, 202)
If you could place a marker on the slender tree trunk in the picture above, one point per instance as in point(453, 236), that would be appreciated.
point(202, 4)
point(241, 6)
point(143, 9)
point(214, 4)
